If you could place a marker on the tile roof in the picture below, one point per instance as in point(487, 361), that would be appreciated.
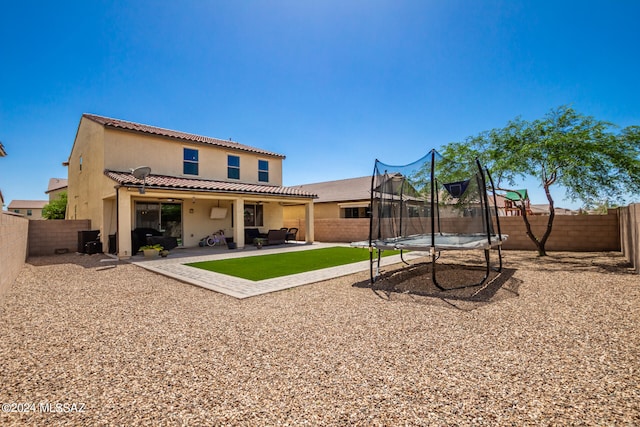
point(56, 184)
point(177, 183)
point(137, 127)
point(342, 190)
point(2, 151)
point(27, 204)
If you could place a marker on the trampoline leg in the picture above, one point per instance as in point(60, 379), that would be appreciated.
point(373, 276)
point(499, 270)
point(433, 270)
point(487, 273)
point(402, 257)
point(488, 259)
point(372, 279)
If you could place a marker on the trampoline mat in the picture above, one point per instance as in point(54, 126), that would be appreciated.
point(442, 242)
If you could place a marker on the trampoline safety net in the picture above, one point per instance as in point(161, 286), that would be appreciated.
point(433, 204)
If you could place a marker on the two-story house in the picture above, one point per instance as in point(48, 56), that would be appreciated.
point(30, 209)
point(191, 185)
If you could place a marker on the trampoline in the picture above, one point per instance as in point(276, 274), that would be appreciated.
point(433, 205)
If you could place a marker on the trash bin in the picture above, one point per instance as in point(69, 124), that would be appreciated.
point(85, 237)
point(230, 243)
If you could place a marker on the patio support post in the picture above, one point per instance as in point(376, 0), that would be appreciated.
point(309, 221)
point(124, 224)
point(238, 221)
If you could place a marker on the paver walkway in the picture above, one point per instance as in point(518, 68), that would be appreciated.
point(242, 288)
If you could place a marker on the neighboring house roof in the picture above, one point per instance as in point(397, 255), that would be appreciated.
point(56, 184)
point(174, 183)
point(341, 190)
point(543, 209)
point(2, 152)
point(140, 128)
point(27, 204)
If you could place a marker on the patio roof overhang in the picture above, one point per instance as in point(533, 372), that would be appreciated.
point(164, 182)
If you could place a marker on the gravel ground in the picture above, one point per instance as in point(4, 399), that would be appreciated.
point(553, 341)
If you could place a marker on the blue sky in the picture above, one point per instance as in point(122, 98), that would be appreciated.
point(332, 85)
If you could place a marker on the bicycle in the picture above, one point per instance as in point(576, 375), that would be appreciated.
point(215, 239)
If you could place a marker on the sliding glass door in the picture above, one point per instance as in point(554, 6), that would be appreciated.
point(165, 217)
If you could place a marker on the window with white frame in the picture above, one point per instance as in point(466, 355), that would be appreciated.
point(190, 162)
point(233, 167)
point(263, 171)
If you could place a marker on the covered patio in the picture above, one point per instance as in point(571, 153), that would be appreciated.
point(190, 209)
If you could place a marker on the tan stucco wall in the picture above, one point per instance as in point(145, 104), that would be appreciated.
point(292, 213)
point(127, 150)
point(87, 183)
point(321, 211)
point(53, 195)
point(196, 224)
point(35, 213)
point(14, 231)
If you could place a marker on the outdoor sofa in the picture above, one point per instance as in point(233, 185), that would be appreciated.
point(273, 237)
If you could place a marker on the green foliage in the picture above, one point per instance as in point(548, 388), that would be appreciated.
point(156, 247)
point(584, 155)
point(57, 208)
point(577, 152)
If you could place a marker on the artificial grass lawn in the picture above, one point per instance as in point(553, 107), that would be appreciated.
point(283, 264)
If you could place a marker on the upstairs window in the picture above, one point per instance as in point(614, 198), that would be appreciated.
point(233, 167)
point(190, 165)
point(263, 171)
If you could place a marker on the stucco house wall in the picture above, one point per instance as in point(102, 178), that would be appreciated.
point(103, 190)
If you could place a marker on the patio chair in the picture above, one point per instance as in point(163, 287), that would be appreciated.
point(291, 234)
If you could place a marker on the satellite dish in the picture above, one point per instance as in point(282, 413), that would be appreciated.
point(141, 172)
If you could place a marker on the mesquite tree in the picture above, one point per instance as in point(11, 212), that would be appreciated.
point(590, 158)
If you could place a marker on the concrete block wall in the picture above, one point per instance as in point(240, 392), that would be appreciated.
point(14, 232)
point(47, 236)
point(580, 233)
point(570, 233)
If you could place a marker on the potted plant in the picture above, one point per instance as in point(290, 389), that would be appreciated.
point(151, 251)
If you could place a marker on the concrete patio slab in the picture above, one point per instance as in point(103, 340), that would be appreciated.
point(175, 267)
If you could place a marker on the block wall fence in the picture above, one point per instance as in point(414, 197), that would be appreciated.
point(14, 231)
point(45, 237)
point(580, 233)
